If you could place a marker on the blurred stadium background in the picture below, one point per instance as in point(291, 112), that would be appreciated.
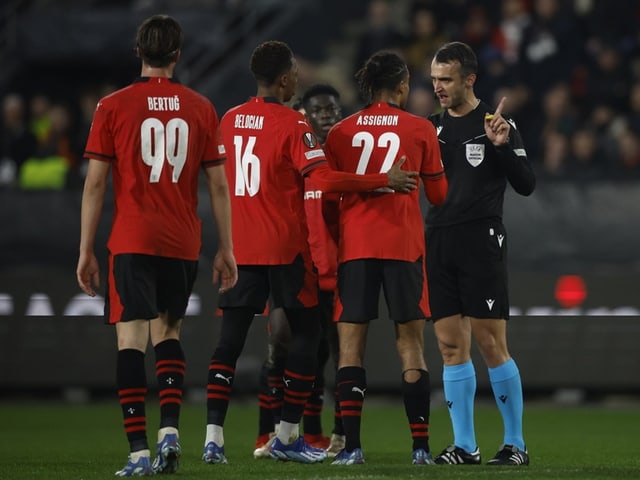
point(571, 71)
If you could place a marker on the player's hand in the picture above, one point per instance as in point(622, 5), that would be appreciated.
point(88, 273)
point(402, 180)
point(496, 127)
point(225, 270)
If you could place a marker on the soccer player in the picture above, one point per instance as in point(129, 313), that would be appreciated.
point(467, 253)
point(381, 245)
point(321, 107)
point(155, 136)
point(271, 150)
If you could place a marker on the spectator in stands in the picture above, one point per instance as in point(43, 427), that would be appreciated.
point(515, 17)
point(586, 159)
point(421, 100)
point(633, 109)
point(53, 165)
point(425, 36)
point(627, 166)
point(380, 32)
point(555, 150)
point(551, 47)
point(18, 142)
point(608, 77)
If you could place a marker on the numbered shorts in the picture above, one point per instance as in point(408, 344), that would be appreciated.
point(403, 284)
point(467, 270)
point(293, 285)
point(139, 287)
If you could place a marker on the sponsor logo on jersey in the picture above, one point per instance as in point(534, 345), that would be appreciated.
point(474, 153)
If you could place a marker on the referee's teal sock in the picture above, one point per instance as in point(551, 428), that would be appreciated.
point(507, 390)
point(459, 390)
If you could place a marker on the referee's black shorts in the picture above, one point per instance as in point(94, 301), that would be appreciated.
point(467, 269)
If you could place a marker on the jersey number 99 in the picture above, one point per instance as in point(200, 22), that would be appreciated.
point(159, 142)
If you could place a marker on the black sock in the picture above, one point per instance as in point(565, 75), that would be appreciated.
point(131, 380)
point(352, 384)
point(417, 405)
point(170, 368)
point(265, 416)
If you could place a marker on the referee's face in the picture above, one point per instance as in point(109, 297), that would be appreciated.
point(448, 84)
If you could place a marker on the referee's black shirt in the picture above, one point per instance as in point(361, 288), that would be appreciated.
point(477, 171)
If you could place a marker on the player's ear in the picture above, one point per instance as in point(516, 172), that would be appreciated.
point(283, 80)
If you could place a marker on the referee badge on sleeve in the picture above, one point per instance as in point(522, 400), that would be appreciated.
point(474, 153)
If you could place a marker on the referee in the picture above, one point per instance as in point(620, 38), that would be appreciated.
point(467, 254)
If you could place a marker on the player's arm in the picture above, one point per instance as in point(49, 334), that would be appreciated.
point(95, 186)
point(329, 180)
point(331, 214)
point(435, 187)
point(225, 270)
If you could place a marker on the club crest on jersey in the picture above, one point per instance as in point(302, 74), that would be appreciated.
point(474, 153)
point(310, 140)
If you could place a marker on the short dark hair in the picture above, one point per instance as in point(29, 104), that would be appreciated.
point(159, 39)
point(318, 89)
point(269, 60)
point(384, 70)
point(458, 52)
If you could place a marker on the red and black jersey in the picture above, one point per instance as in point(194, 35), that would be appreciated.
point(271, 148)
point(157, 134)
point(384, 224)
point(324, 250)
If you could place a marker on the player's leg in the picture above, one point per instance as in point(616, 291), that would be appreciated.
point(266, 426)
point(175, 284)
point(337, 433)
point(277, 349)
point(295, 288)
point(132, 390)
point(351, 382)
point(239, 305)
point(130, 303)
point(312, 417)
point(405, 290)
point(359, 283)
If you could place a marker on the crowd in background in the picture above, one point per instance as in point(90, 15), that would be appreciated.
point(569, 68)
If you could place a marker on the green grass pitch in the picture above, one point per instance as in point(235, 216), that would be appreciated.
point(56, 441)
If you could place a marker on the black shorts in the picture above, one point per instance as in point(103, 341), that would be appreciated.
point(139, 287)
point(289, 286)
point(467, 270)
point(403, 284)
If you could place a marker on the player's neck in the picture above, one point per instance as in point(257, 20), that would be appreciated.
point(270, 92)
point(148, 71)
point(386, 97)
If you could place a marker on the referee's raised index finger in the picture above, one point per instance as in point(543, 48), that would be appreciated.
point(500, 106)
